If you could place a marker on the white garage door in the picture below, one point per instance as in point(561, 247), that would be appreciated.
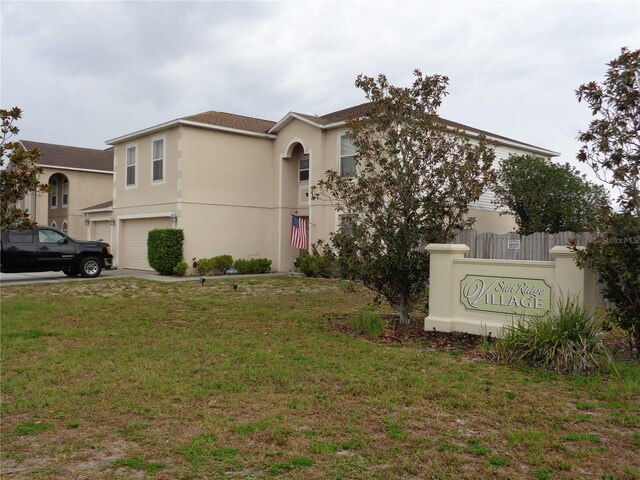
point(102, 231)
point(133, 252)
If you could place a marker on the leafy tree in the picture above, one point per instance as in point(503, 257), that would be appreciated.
point(611, 146)
point(415, 179)
point(20, 175)
point(546, 197)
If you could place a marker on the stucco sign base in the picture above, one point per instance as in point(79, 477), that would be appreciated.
point(481, 296)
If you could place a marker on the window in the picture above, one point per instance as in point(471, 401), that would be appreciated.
point(54, 224)
point(346, 223)
point(21, 236)
point(347, 157)
point(65, 192)
point(131, 166)
point(49, 236)
point(65, 227)
point(53, 195)
point(158, 160)
point(303, 168)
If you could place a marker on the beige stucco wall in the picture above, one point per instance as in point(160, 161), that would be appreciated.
point(146, 195)
point(85, 189)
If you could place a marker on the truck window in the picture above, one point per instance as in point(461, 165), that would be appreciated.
point(21, 236)
point(49, 236)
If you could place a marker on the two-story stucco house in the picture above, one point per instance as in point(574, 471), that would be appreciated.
point(78, 177)
point(232, 182)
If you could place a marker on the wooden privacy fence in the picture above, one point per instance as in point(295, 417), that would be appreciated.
point(511, 246)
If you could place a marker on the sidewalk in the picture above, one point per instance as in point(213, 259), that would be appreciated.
point(7, 279)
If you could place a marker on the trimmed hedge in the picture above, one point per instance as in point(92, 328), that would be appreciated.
point(252, 265)
point(216, 265)
point(164, 249)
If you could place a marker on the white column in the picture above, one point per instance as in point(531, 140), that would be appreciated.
point(441, 294)
point(569, 278)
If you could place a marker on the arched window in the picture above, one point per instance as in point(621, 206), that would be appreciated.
point(54, 225)
point(53, 195)
point(65, 227)
point(65, 192)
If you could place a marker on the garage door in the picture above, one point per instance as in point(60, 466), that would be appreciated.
point(102, 231)
point(133, 252)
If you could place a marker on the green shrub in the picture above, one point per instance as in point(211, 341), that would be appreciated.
point(164, 249)
point(204, 266)
point(214, 265)
point(252, 265)
point(368, 322)
point(181, 269)
point(567, 339)
point(221, 263)
point(319, 266)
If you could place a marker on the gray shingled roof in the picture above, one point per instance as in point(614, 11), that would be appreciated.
point(72, 157)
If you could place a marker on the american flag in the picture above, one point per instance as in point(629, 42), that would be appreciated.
point(299, 232)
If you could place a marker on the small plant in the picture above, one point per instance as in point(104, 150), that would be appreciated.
point(566, 340)
point(31, 428)
point(318, 266)
point(368, 322)
point(137, 463)
point(180, 269)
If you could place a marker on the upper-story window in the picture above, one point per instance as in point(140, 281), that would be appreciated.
point(347, 157)
point(131, 166)
point(303, 168)
point(53, 195)
point(65, 193)
point(158, 160)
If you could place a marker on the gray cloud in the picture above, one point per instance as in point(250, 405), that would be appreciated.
point(84, 72)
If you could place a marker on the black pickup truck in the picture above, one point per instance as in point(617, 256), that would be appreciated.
point(43, 249)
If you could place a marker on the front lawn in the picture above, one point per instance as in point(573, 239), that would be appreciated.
point(125, 378)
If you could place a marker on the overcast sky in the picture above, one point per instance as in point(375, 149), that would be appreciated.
point(85, 72)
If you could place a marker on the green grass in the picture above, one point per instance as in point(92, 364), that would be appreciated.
point(184, 381)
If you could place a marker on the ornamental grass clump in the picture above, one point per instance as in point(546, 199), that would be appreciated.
point(368, 322)
point(568, 339)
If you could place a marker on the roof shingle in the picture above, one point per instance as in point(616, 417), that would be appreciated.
point(72, 157)
point(230, 120)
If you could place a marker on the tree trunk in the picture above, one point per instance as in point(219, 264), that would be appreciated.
point(404, 309)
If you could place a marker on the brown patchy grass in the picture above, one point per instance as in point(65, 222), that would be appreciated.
point(131, 379)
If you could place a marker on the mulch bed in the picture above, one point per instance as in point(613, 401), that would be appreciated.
point(395, 333)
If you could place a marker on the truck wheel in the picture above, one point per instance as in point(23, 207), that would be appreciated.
point(90, 267)
point(71, 272)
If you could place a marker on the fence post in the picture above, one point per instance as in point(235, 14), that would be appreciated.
point(441, 284)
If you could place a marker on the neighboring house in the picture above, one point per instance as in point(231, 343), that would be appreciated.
point(232, 183)
point(78, 177)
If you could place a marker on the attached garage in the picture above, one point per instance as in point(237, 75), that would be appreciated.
point(133, 246)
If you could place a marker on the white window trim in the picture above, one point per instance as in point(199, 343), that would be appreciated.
point(53, 194)
point(126, 166)
point(65, 227)
point(339, 167)
point(63, 203)
point(306, 157)
point(53, 224)
point(164, 160)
